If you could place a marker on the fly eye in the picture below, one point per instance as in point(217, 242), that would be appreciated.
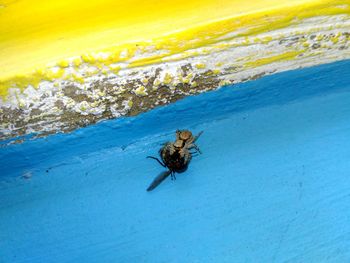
point(184, 136)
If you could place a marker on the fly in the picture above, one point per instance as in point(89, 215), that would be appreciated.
point(176, 156)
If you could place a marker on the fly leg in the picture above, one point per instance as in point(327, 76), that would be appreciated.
point(197, 136)
point(161, 163)
point(194, 147)
point(194, 150)
point(173, 177)
point(197, 149)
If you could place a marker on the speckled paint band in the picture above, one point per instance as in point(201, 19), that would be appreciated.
point(132, 78)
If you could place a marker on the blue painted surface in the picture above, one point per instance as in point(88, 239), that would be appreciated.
point(272, 185)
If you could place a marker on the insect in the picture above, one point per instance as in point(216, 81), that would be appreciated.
point(176, 156)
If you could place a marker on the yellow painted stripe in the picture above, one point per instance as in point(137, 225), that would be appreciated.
point(267, 60)
point(35, 33)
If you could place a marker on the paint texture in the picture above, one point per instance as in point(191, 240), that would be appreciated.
point(272, 184)
point(67, 64)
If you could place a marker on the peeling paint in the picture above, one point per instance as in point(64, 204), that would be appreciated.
point(82, 90)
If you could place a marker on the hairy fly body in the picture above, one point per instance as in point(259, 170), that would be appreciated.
point(176, 156)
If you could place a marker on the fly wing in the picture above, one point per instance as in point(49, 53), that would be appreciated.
point(160, 178)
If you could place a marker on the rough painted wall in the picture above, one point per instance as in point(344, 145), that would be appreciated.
point(67, 64)
point(272, 184)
